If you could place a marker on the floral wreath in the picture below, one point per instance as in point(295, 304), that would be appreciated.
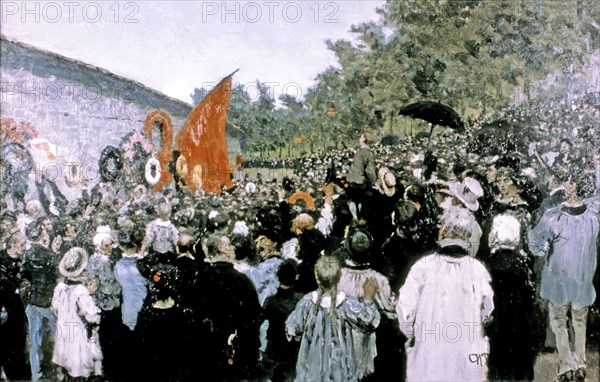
point(137, 137)
point(110, 173)
point(310, 203)
point(152, 171)
point(13, 131)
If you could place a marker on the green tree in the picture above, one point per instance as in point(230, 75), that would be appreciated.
point(471, 55)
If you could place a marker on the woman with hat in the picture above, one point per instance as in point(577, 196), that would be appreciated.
point(134, 290)
point(379, 215)
point(77, 346)
point(263, 274)
point(107, 297)
point(311, 242)
point(505, 253)
point(465, 196)
point(357, 270)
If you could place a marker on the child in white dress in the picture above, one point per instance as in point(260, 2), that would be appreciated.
point(77, 348)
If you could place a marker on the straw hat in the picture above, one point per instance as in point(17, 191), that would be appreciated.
point(467, 191)
point(386, 181)
point(73, 263)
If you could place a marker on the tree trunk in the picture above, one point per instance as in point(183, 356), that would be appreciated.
point(570, 82)
point(483, 101)
point(499, 91)
point(596, 154)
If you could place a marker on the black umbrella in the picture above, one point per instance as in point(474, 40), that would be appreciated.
point(435, 113)
point(390, 140)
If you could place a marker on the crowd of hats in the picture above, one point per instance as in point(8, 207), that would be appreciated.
point(544, 122)
point(252, 205)
point(409, 161)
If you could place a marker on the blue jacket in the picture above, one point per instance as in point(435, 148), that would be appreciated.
point(567, 235)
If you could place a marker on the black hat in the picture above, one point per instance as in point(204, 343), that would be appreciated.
point(127, 237)
point(404, 212)
point(8, 216)
point(34, 230)
point(358, 244)
point(287, 272)
point(310, 244)
point(288, 184)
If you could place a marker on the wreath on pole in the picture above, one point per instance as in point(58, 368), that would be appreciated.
point(164, 152)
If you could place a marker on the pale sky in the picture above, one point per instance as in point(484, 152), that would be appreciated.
point(176, 46)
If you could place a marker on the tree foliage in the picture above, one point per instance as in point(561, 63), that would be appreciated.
point(471, 55)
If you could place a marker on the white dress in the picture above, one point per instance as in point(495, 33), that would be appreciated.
point(442, 306)
point(74, 349)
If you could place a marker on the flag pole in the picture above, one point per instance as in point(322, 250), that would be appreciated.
point(220, 82)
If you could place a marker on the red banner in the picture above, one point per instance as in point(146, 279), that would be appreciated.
point(203, 141)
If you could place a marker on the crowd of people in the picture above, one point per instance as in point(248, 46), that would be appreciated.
point(424, 260)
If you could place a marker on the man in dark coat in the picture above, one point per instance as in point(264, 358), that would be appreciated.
point(281, 354)
point(227, 315)
point(39, 278)
point(12, 319)
point(361, 175)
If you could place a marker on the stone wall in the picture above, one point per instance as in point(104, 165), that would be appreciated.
point(77, 107)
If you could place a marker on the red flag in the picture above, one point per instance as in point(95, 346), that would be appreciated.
point(203, 142)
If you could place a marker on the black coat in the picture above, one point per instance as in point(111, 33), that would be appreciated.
point(515, 332)
point(281, 354)
point(13, 326)
point(227, 306)
point(40, 269)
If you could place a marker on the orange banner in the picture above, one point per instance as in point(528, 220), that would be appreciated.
point(203, 141)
